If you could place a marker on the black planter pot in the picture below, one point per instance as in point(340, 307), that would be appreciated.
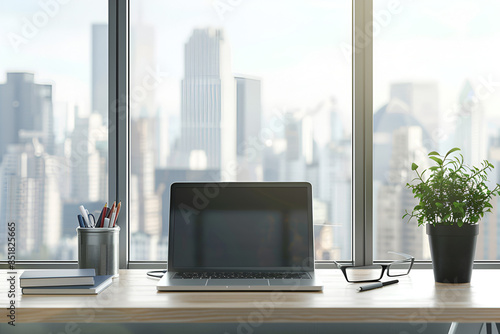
point(452, 251)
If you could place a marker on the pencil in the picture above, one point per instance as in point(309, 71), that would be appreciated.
point(111, 211)
point(117, 212)
point(103, 214)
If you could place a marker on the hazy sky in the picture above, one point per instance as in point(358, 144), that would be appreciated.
point(296, 47)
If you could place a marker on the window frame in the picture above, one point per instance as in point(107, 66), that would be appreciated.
point(362, 140)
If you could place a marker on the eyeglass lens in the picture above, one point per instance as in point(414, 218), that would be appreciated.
point(398, 268)
point(366, 273)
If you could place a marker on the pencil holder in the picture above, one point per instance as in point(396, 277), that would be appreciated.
point(98, 249)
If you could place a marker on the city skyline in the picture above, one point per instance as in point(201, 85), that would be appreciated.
point(312, 143)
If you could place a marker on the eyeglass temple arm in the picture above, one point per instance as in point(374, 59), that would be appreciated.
point(407, 256)
point(337, 264)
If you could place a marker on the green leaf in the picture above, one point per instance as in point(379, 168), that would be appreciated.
point(439, 205)
point(452, 150)
point(414, 166)
point(439, 161)
point(434, 168)
point(433, 153)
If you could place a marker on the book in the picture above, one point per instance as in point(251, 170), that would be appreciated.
point(101, 283)
point(57, 277)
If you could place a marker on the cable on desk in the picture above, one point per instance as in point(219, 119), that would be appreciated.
point(156, 273)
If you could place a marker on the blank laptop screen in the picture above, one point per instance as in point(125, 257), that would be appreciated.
point(227, 226)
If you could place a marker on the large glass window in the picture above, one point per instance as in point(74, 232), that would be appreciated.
point(240, 91)
point(53, 128)
point(436, 86)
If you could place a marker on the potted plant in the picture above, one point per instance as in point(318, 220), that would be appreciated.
point(453, 198)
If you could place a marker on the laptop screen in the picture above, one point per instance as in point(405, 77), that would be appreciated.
point(241, 226)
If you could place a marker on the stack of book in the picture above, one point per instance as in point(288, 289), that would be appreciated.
point(63, 282)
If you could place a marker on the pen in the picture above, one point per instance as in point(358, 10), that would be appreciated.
point(85, 216)
point(376, 285)
point(80, 221)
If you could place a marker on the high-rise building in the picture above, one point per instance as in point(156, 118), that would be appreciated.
point(100, 70)
point(248, 127)
point(470, 134)
point(393, 198)
point(422, 101)
point(29, 196)
point(208, 104)
point(145, 212)
point(29, 192)
point(88, 159)
point(26, 112)
point(142, 64)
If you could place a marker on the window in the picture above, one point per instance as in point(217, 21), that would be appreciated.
point(240, 91)
point(53, 133)
point(436, 81)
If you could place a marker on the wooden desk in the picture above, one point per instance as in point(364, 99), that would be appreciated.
point(133, 298)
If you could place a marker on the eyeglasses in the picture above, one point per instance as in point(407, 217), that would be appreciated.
point(375, 272)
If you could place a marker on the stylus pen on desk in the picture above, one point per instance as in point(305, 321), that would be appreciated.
point(376, 285)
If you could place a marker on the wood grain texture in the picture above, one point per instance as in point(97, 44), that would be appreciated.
point(133, 298)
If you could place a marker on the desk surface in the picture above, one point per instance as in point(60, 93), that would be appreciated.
point(133, 298)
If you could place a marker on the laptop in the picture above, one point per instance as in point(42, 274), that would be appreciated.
point(240, 236)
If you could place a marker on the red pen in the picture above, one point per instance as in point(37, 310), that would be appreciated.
point(103, 215)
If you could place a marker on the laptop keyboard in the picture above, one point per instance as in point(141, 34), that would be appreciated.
point(226, 275)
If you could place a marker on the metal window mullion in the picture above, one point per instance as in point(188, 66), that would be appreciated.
point(118, 30)
point(362, 101)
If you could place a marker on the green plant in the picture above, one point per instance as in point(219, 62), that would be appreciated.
point(453, 193)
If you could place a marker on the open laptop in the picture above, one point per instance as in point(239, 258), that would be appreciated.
point(240, 236)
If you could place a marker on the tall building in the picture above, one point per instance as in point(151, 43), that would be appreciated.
point(145, 198)
point(26, 112)
point(100, 70)
point(29, 192)
point(208, 104)
point(142, 64)
point(293, 163)
point(29, 196)
point(470, 134)
point(88, 160)
point(248, 127)
point(393, 198)
point(422, 101)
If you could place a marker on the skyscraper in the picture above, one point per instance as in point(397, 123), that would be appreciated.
point(470, 134)
point(26, 112)
point(100, 70)
point(422, 101)
point(29, 192)
point(88, 159)
point(146, 214)
point(248, 127)
point(208, 106)
point(393, 198)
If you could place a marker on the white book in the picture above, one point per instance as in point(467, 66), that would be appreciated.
point(101, 283)
point(57, 277)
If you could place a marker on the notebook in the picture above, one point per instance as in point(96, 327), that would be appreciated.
point(101, 283)
point(240, 236)
point(57, 277)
